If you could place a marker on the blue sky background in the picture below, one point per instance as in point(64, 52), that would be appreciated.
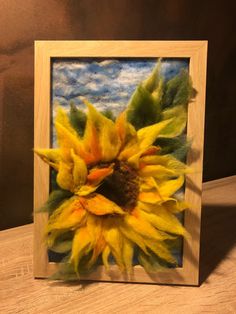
point(107, 84)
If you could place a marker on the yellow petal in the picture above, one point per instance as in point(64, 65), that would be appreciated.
point(91, 141)
point(86, 190)
point(68, 216)
point(79, 170)
point(175, 206)
point(65, 177)
point(51, 156)
point(107, 133)
point(163, 220)
point(134, 160)
point(57, 212)
point(133, 236)
point(148, 184)
point(114, 240)
point(143, 227)
point(167, 161)
point(105, 257)
point(82, 245)
point(150, 197)
point(169, 187)
point(94, 226)
point(67, 141)
point(128, 252)
point(156, 171)
point(126, 131)
point(63, 119)
point(149, 134)
point(161, 249)
point(71, 216)
point(129, 150)
point(99, 205)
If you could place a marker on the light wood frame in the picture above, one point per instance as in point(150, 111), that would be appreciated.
point(196, 51)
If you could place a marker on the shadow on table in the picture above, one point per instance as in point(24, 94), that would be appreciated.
point(218, 236)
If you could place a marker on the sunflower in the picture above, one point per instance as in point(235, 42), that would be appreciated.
point(116, 200)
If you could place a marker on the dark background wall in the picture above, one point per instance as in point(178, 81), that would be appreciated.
point(22, 22)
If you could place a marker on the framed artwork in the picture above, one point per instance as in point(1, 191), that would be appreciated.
point(119, 130)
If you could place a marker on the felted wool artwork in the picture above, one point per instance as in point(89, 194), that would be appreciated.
point(117, 195)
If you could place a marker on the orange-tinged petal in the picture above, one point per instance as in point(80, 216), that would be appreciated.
point(91, 141)
point(71, 217)
point(129, 151)
point(99, 205)
point(126, 131)
point(97, 175)
point(151, 151)
point(108, 138)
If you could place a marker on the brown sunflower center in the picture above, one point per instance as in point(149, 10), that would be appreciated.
point(122, 187)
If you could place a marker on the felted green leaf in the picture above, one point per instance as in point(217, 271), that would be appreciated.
point(178, 124)
point(143, 110)
point(63, 242)
point(177, 147)
point(65, 271)
point(77, 119)
point(151, 83)
point(144, 107)
point(55, 199)
point(109, 114)
point(178, 90)
point(61, 246)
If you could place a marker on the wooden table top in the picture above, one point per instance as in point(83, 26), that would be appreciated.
point(20, 293)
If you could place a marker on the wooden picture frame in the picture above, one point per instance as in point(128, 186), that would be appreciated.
point(196, 51)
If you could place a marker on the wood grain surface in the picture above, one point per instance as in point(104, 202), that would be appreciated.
point(20, 293)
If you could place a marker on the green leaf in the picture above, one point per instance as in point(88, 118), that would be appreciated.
point(77, 119)
point(151, 83)
point(55, 199)
point(63, 243)
point(178, 124)
point(177, 147)
point(144, 107)
point(178, 90)
point(109, 114)
point(66, 271)
point(143, 110)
